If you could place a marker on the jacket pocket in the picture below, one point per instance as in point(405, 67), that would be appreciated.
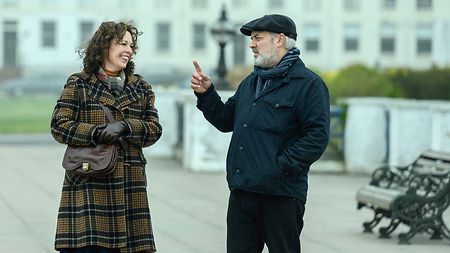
point(275, 113)
point(278, 103)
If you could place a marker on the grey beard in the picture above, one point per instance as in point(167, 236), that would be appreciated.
point(266, 61)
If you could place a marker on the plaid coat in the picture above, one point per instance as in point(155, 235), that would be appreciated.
point(112, 211)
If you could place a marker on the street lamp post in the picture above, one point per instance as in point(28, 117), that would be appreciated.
point(222, 32)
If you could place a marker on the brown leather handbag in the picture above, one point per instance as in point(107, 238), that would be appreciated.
point(92, 161)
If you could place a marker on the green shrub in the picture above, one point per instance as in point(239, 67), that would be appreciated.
point(433, 83)
point(360, 81)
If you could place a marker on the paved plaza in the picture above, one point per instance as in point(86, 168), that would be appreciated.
point(188, 209)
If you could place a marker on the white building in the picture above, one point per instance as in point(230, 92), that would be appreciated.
point(38, 35)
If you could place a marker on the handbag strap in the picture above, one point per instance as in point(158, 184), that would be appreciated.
point(108, 113)
point(122, 143)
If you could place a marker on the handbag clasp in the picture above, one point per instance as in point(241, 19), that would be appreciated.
point(85, 167)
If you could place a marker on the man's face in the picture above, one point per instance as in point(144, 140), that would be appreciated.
point(263, 46)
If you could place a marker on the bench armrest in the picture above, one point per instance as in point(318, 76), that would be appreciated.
point(414, 206)
point(390, 176)
point(427, 184)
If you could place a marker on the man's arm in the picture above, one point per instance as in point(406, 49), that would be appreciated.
point(314, 131)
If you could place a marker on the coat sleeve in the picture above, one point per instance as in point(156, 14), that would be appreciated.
point(65, 126)
point(313, 136)
point(146, 130)
point(219, 114)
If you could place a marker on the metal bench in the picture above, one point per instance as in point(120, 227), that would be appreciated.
point(415, 195)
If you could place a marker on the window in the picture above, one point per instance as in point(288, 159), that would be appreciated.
point(86, 30)
point(352, 5)
point(199, 36)
point(312, 5)
point(424, 4)
point(162, 36)
point(389, 4)
point(48, 29)
point(240, 43)
point(312, 35)
point(10, 43)
point(387, 45)
point(351, 37)
point(9, 3)
point(240, 3)
point(276, 3)
point(387, 41)
point(424, 35)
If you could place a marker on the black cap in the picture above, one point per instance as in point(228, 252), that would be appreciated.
point(271, 23)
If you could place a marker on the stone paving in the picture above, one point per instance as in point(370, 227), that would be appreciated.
point(188, 209)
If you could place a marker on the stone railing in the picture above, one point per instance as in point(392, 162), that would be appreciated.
point(393, 131)
point(377, 131)
point(189, 138)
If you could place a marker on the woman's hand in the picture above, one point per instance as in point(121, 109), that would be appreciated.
point(112, 132)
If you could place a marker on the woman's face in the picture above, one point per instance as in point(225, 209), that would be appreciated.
point(119, 53)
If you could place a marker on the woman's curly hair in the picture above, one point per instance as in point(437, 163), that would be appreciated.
point(96, 49)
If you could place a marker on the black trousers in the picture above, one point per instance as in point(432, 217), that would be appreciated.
point(256, 219)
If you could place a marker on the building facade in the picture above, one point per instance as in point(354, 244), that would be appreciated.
point(42, 35)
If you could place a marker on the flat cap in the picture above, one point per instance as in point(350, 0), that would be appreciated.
point(271, 23)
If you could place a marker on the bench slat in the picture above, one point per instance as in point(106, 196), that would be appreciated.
point(438, 155)
point(377, 197)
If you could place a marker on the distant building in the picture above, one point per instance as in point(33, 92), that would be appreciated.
point(42, 35)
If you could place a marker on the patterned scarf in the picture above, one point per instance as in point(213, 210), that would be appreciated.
point(266, 75)
point(114, 83)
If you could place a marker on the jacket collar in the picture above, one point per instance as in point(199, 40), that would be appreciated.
point(297, 71)
point(98, 90)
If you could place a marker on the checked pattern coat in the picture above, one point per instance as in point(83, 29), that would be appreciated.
point(111, 211)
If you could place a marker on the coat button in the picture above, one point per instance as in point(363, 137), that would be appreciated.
point(241, 148)
point(253, 104)
point(277, 105)
point(245, 125)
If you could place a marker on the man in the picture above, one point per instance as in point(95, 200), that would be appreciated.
point(279, 116)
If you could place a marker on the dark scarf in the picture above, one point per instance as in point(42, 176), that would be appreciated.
point(266, 75)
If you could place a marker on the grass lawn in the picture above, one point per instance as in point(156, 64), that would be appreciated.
point(26, 114)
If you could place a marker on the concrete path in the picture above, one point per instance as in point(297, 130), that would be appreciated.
point(188, 209)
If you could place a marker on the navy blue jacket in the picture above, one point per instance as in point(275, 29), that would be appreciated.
point(277, 136)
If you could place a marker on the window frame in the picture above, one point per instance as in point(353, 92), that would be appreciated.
point(163, 32)
point(388, 40)
point(312, 37)
point(424, 39)
point(48, 34)
point(424, 5)
point(352, 34)
point(198, 36)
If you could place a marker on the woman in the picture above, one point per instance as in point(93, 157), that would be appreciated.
point(111, 213)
